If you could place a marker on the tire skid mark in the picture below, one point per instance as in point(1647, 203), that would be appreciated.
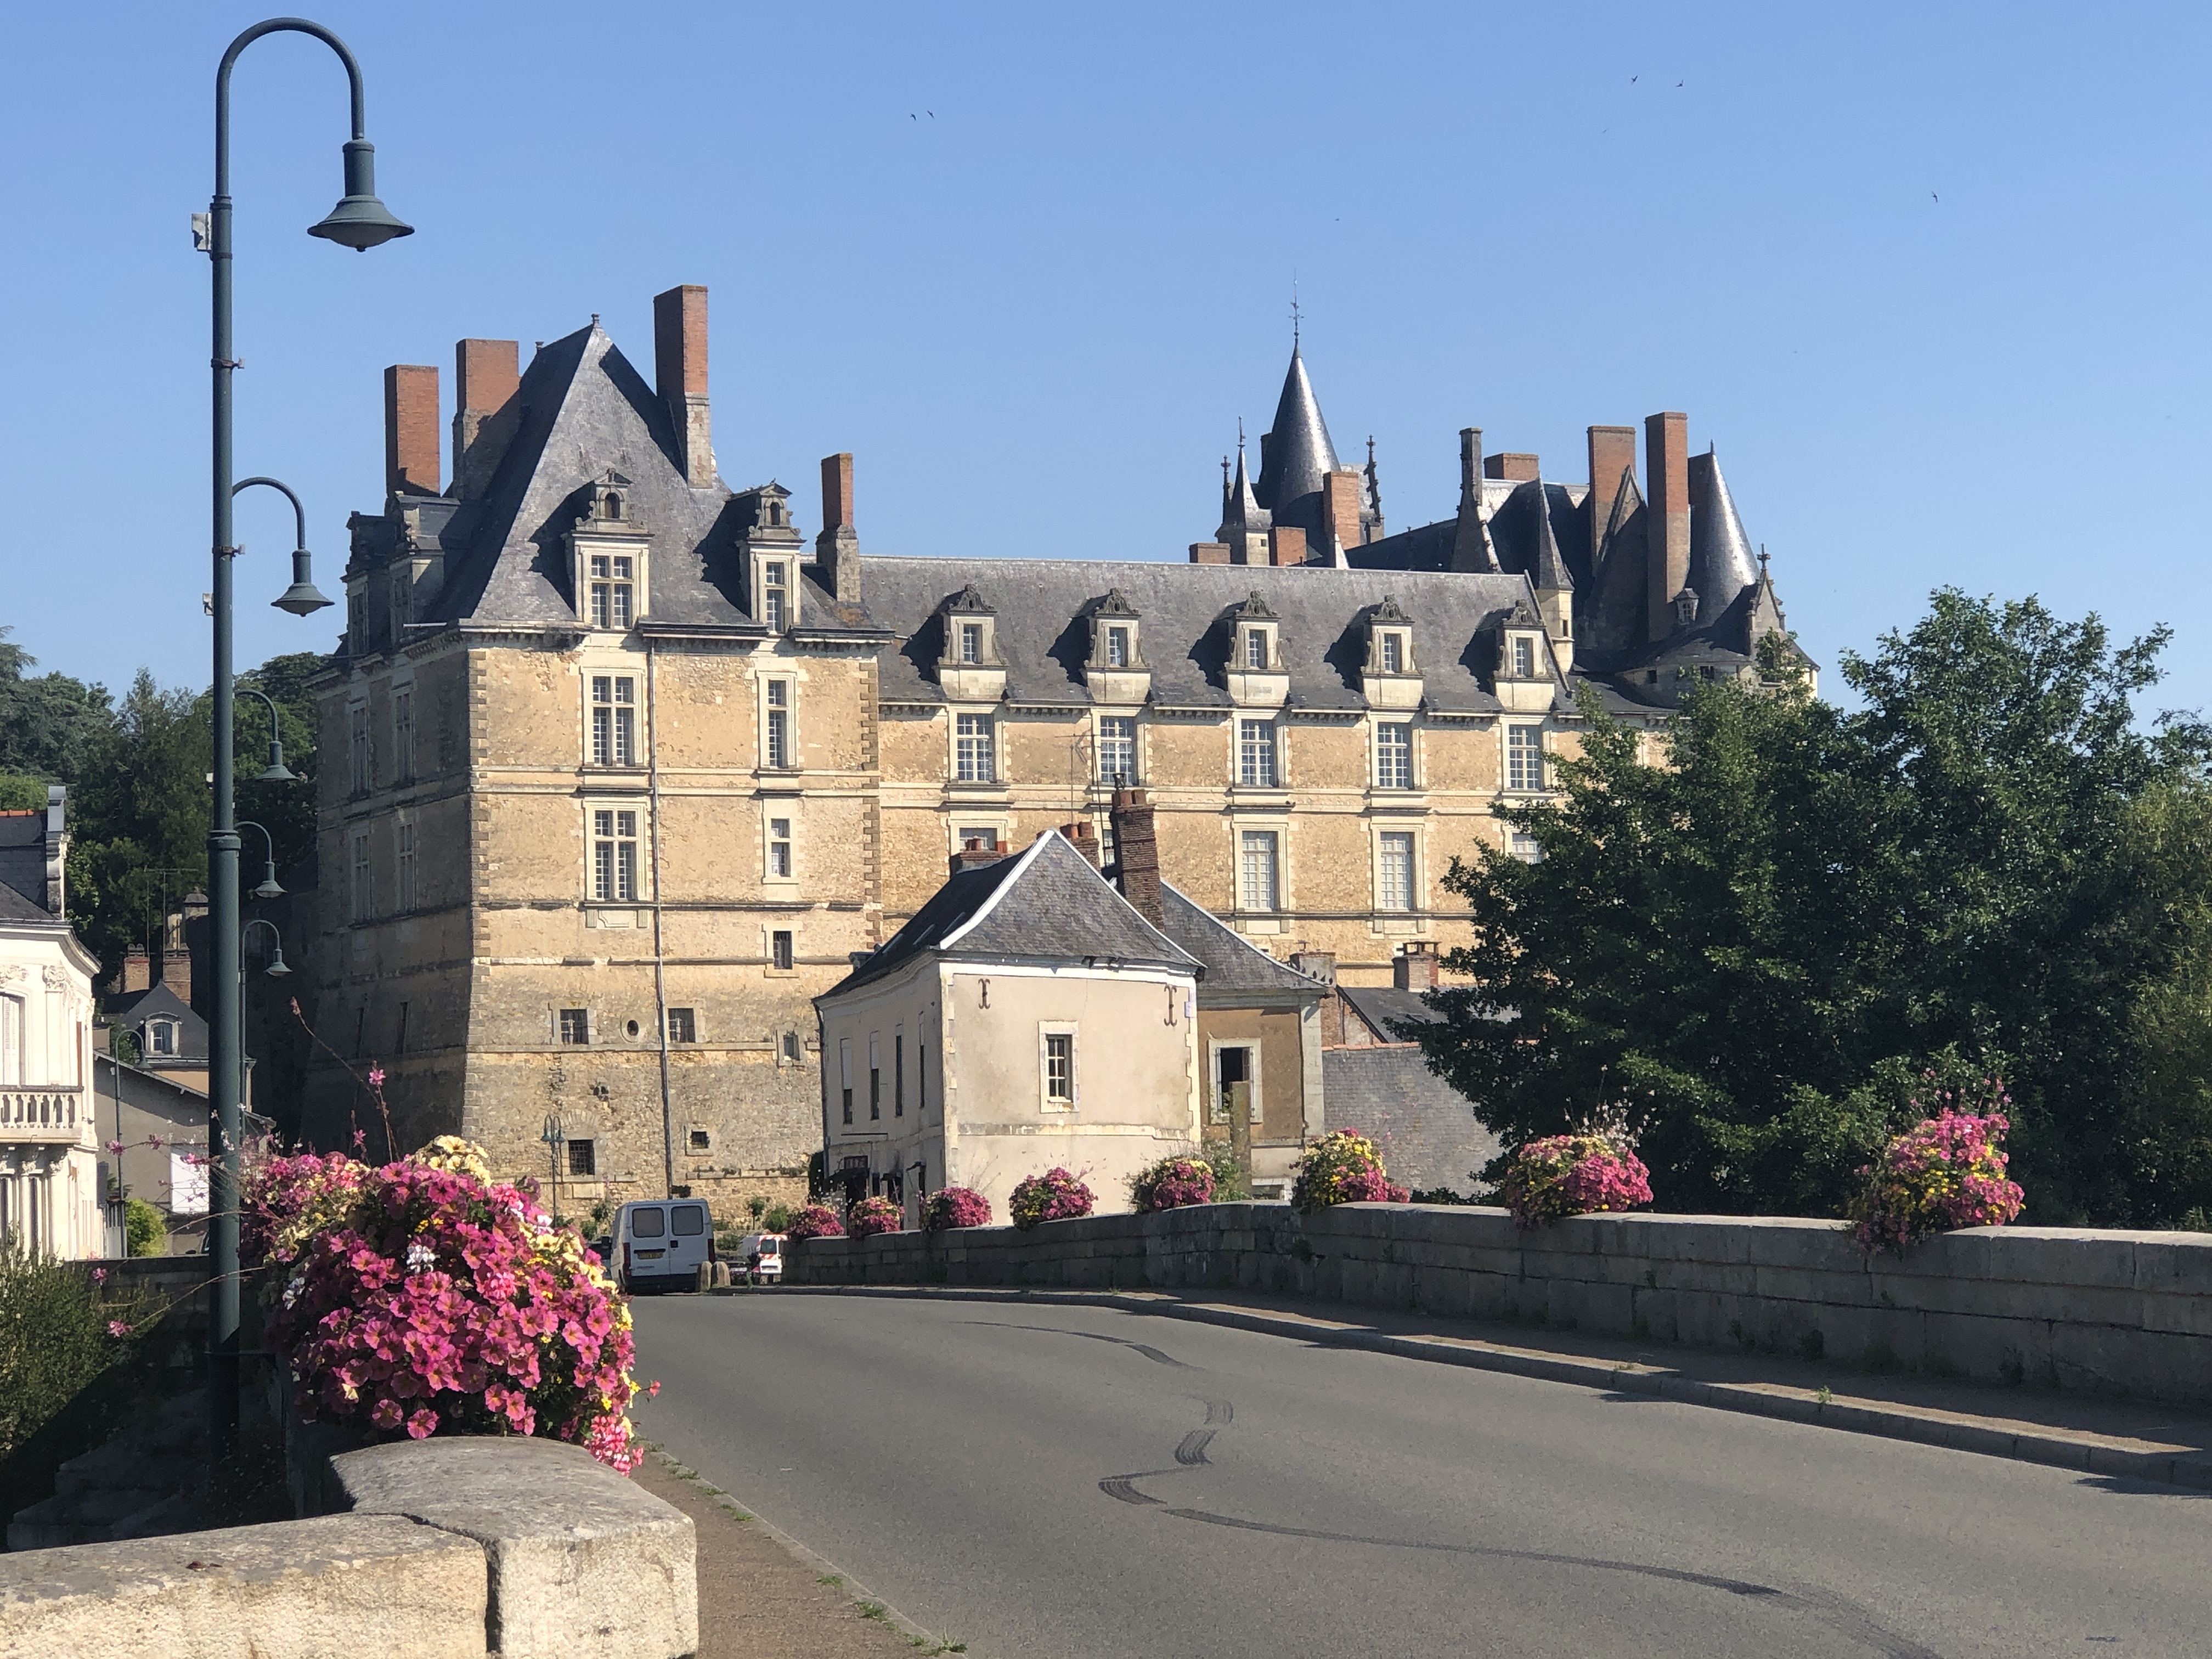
point(1841, 1615)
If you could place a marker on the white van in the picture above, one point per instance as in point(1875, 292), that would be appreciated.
point(769, 1246)
point(660, 1241)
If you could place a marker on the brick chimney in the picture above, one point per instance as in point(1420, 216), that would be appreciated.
point(1321, 965)
point(679, 363)
point(137, 970)
point(1666, 459)
point(837, 548)
point(1286, 544)
point(1083, 839)
point(486, 375)
point(1612, 454)
point(1138, 851)
point(1414, 966)
point(410, 429)
point(975, 852)
point(176, 959)
point(1339, 508)
point(1520, 468)
point(1209, 553)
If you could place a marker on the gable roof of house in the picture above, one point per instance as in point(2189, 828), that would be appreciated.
point(1385, 1009)
point(1233, 964)
point(1047, 904)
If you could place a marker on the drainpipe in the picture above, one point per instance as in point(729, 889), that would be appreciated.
point(659, 957)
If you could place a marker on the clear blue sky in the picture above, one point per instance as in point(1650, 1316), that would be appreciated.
point(1931, 278)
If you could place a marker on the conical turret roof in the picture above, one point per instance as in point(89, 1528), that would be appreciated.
point(1548, 571)
point(1722, 564)
point(1296, 454)
point(1239, 510)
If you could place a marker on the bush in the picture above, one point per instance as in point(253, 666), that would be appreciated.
point(1343, 1167)
point(1947, 1172)
point(815, 1221)
point(422, 1298)
point(1055, 1195)
point(58, 1331)
point(1173, 1184)
point(872, 1216)
point(1580, 1174)
point(143, 1227)
point(956, 1206)
point(777, 1220)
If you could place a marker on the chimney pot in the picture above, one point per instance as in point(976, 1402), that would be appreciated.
point(1083, 839)
point(1137, 849)
point(679, 361)
point(410, 429)
point(1415, 967)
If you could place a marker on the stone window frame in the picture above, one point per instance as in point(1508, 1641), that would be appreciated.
point(1416, 888)
point(1409, 725)
point(1512, 755)
point(768, 682)
point(1049, 1102)
point(613, 756)
point(641, 871)
point(1216, 1112)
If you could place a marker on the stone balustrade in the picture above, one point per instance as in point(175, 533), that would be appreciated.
point(49, 1111)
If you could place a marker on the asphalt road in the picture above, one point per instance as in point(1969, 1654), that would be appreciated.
point(1043, 1481)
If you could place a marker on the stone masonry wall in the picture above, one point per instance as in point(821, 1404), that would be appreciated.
point(2108, 1312)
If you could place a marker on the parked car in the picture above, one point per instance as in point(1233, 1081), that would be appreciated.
point(760, 1258)
point(661, 1241)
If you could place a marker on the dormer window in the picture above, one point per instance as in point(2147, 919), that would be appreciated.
point(162, 1035)
point(614, 506)
point(614, 589)
point(1255, 647)
point(1393, 653)
point(971, 644)
point(1117, 648)
point(776, 594)
point(1524, 657)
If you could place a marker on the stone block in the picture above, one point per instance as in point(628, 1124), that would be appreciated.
point(2179, 1264)
point(1814, 1246)
point(2054, 1256)
point(362, 1586)
point(584, 1565)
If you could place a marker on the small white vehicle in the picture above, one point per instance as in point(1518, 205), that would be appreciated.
point(659, 1243)
point(760, 1258)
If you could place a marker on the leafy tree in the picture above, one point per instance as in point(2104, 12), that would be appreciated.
point(1767, 939)
point(50, 724)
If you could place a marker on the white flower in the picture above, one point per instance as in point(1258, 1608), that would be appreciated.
point(420, 1257)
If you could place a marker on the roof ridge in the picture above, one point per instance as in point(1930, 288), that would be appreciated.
point(1021, 862)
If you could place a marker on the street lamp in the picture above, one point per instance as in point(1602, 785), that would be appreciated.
point(553, 1138)
point(359, 221)
point(269, 888)
point(302, 598)
point(275, 771)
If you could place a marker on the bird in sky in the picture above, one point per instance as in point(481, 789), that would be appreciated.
point(1933, 197)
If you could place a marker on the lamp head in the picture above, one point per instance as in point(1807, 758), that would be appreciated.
point(302, 598)
point(360, 221)
point(276, 969)
point(269, 888)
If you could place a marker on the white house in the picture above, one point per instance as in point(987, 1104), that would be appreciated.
point(49, 1171)
point(1026, 1017)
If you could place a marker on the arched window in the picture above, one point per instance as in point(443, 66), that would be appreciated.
point(614, 506)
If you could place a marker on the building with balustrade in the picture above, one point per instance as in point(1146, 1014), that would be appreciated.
point(49, 1167)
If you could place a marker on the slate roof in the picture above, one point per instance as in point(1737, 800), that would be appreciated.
point(1234, 965)
point(135, 1008)
point(23, 866)
point(1384, 1008)
point(1048, 904)
point(1185, 637)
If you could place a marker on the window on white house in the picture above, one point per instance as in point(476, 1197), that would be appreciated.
point(1395, 872)
point(164, 1033)
point(362, 898)
point(614, 719)
point(613, 589)
point(971, 643)
point(1117, 648)
point(1524, 757)
point(614, 856)
point(1256, 873)
point(974, 750)
point(1117, 749)
point(1255, 754)
point(403, 735)
point(774, 595)
point(405, 864)
point(1394, 756)
point(1060, 1069)
point(779, 724)
point(11, 1039)
point(845, 1074)
point(778, 849)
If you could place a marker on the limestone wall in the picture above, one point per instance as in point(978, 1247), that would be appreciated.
point(2111, 1312)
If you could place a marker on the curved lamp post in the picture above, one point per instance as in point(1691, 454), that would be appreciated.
point(269, 888)
point(358, 221)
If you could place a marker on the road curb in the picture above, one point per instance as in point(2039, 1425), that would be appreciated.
point(1986, 1436)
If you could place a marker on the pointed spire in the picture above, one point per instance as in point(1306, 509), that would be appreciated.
point(1373, 503)
point(1472, 548)
point(1721, 561)
point(1296, 454)
point(1548, 572)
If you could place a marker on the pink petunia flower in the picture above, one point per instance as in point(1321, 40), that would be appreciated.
point(423, 1423)
point(117, 1327)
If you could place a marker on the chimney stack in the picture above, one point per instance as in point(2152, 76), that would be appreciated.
point(1286, 544)
point(410, 429)
point(1321, 965)
point(486, 373)
point(837, 548)
point(1414, 966)
point(137, 970)
point(1083, 839)
point(1209, 553)
point(679, 363)
point(1612, 454)
point(974, 853)
point(1666, 459)
point(1139, 852)
point(1339, 508)
point(1520, 468)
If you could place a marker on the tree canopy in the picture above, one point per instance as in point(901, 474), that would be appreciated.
point(1768, 933)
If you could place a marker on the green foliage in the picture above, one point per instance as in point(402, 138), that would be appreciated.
point(20, 792)
point(54, 1337)
point(777, 1220)
point(1229, 1186)
point(1756, 940)
point(148, 1235)
point(48, 724)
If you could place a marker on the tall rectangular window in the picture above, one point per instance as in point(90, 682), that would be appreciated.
point(1117, 749)
point(898, 1074)
point(875, 1078)
point(1395, 873)
point(971, 643)
point(614, 719)
point(845, 1074)
point(1060, 1069)
point(613, 589)
point(682, 1025)
point(780, 948)
point(576, 1025)
point(778, 849)
point(779, 724)
point(1256, 871)
point(363, 899)
point(774, 595)
point(1394, 654)
point(403, 833)
point(1524, 657)
point(1117, 648)
point(403, 735)
point(1255, 647)
point(1524, 757)
point(358, 761)
point(1394, 756)
point(1255, 754)
point(614, 856)
point(975, 752)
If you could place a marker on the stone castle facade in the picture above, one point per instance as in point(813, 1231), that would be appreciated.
point(620, 770)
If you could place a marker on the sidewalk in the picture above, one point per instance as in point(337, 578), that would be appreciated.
point(764, 1595)
point(2098, 1436)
